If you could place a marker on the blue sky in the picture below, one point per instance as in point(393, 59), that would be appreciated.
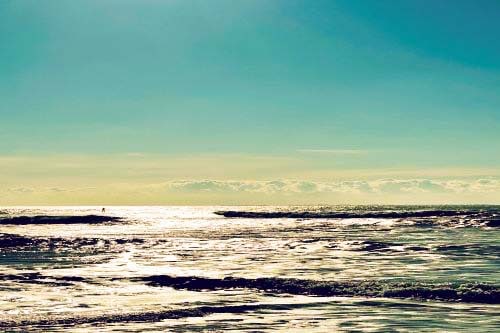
point(329, 86)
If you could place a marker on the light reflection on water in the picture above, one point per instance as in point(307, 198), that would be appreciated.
point(192, 241)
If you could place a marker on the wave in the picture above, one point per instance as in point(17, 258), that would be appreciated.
point(47, 219)
point(32, 252)
point(463, 218)
point(145, 316)
point(466, 292)
point(456, 292)
point(342, 214)
point(38, 278)
point(18, 241)
point(470, 292)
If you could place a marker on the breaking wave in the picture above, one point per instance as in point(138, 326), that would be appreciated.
point(18, 241)
point(25, 251)
point(455, 292)
point(341, 214)
point(466, 217)
point(45, 219)
point(24, 242)
point(145, 316)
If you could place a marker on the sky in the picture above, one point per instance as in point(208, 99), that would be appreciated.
point(249, 102)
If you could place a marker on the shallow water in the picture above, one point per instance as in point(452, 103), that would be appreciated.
point(427, 273)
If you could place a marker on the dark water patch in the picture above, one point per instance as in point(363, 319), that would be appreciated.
point(416, 248)
point(146, 316)
point(457, 292)
point(383, 303)
point(494, 222)
point(367, 245)
point(312, 240)
point(375, 246)
point(468, 249)
point(38, 278)
point(46, 219)
point(359, 245)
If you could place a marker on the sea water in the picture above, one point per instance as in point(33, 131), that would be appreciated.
point(314, 269)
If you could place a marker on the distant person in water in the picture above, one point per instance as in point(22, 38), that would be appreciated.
point(103, 210)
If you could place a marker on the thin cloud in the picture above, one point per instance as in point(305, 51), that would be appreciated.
point(135, 154)
point(333, 151)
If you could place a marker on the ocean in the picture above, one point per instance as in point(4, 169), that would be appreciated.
point(250, 269)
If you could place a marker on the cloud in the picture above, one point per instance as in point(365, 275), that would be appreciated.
point(21, 190)
point(234, 186)
point(380, 186)
point(277, 191)
point(287, 187)
point(45, 190)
